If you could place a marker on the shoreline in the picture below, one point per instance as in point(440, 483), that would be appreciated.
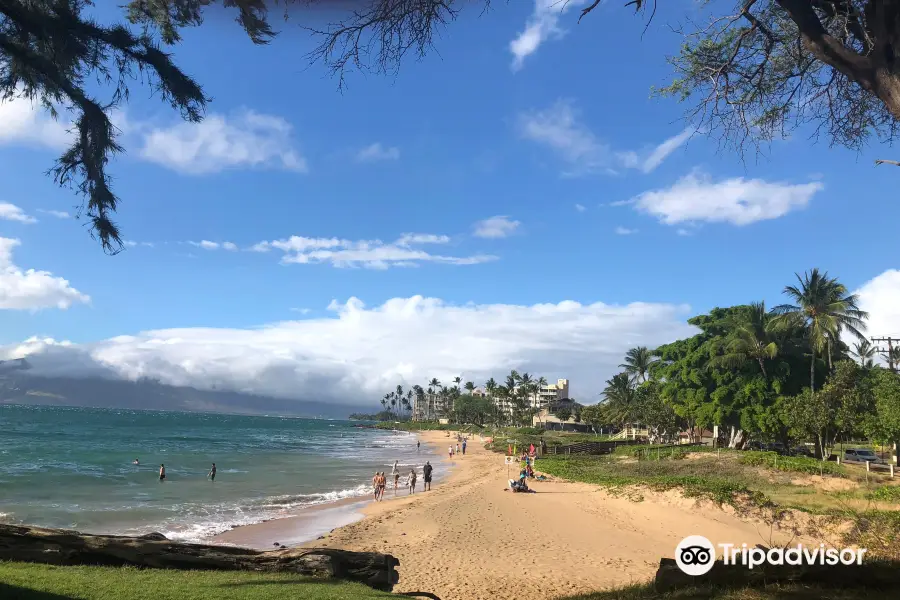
point(313, 523)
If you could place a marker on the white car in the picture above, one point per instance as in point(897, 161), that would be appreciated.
point(862, 455)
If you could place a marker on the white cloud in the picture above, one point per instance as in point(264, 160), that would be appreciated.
point(880, 297)
point(132, 244)
point(356, 353)
point(302, 311)
point(376, 152)
point(422, 238)
point(11, 212)
point(561, 128)
point(648, 161)
point(625, 231)
point(697, 198)
point(372, 254)
point(580, 207)
point(208, 245)
point(499, 226)
point(22, 122)
point(248, 139)
point(543, 24)
point(205, 244)
point(32, 290)
point(59, 214)
point(683, 232)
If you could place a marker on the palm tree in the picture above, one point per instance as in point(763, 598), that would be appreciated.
point(619, 396)
point(490, 387)
point(824, 308)
point(527, 384)
point(393, 403)
point(865, 352)
point(456, 382)
point(385, 400)
point(752, 337)
point(470, 387)
point(638, 362)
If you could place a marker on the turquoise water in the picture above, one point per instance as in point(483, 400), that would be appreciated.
point(72, 468)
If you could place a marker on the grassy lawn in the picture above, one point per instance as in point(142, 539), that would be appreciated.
point(23, 581)
point(771, 592)
point(789, 482)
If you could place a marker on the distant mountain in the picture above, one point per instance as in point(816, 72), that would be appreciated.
point(17, 386)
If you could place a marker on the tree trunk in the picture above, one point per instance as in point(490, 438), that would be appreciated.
point(762, 367)
point(812, 373)
point(737, 439)
point(64, 547)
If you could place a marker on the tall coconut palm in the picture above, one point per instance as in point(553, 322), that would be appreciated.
point(385, 401)
point(490, 386)
point(527, 385)
point(456, 382)
point(470, 387)
point(619, 396)
point(824, 308)
point(638, 362)
point(864, 352)
point(393, 403)
point(753, 336)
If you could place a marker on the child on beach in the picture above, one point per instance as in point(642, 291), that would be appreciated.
point(412, 481)
point(451, 452)
point(396, 481)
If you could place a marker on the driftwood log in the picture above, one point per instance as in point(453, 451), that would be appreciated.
point(871, 575)
point(64, 547)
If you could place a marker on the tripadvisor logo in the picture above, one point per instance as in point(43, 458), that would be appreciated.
point(695, 555)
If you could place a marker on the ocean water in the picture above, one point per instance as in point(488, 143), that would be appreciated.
point(72, 468)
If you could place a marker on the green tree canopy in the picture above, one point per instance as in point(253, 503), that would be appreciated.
point(705, 388)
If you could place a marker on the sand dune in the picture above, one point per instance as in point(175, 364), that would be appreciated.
point(468, 539)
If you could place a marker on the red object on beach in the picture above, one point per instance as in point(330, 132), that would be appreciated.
point(509, 450)
point(531, 450)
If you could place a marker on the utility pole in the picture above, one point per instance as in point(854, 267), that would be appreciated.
point(890, 350)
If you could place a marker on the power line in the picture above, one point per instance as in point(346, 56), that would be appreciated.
point(889, 353)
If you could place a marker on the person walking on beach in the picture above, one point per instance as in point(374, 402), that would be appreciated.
point(396, 481)
point(426, 475)
point(457, 447)
point(375, 481)
point(412, 481)
point(464, 447)
point(382, 485)
point(212, 473)
point(162, 472)
point(418, 445)
point(451, 452)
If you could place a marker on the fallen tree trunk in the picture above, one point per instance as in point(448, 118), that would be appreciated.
point(64, 547)
point(872, 575)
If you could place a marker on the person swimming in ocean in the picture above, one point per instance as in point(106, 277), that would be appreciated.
point(135, 462)
point(162, 472)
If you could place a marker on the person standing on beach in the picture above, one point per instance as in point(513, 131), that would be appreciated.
point(426, 475)
point(375, 482)
point(457, 447)
point(451, 452)
point(464, 447)
point(212, 473)
point(396, 481)
point(382, 485)
point(162, 472)
point(418, 445)
point(412, 481)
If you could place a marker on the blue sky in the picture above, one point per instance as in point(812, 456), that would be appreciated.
point(560, 148)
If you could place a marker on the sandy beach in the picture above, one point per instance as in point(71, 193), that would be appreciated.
point(468, 539)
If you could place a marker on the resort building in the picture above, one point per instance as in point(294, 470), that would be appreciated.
point(550, 394)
